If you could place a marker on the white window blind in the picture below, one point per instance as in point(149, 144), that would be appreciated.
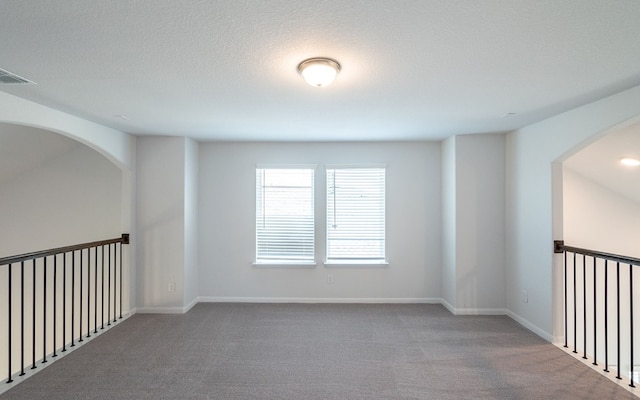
point(284, 215)
point(355, 214)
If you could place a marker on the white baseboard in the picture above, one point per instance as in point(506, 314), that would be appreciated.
point(161, 310)
point(448, 306)
point(193, 302)
point(167, 310)
point(350, 300)
point(480, 311)
point(532, 327)
point(558, 340)
point(324, 300)
point(473, 311)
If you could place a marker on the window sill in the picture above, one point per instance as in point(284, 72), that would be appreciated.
point(356, 264)
point(284, 264)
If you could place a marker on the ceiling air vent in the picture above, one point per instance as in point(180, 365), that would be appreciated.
point(8, 78)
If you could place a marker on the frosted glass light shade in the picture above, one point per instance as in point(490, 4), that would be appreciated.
point(319, 72)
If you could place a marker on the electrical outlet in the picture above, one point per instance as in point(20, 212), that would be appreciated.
point(330, 278)
point(524, 296)
point(171, 287)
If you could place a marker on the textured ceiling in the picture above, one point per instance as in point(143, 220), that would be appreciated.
point(226, 70)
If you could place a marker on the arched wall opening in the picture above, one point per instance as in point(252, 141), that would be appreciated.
point(596, 206)
point(57, 191)
point(590, 204)
point(109, 144)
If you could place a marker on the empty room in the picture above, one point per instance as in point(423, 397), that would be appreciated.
point(433, 199)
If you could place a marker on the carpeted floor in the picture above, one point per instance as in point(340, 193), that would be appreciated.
point(317, 351)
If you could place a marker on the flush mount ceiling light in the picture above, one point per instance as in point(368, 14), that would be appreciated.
point(319, 72)
point(630, 161)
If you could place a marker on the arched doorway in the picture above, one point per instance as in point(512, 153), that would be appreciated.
point(597, 207)
point(56, 191)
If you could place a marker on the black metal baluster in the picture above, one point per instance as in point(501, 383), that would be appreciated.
point(618, 314)
point(55, 295)
point(566, 323)
point(33, 318)
point(80, 298)
point(632, 384)
point(109, 288)
point(606, 315)
point(22, 318)
point(44, 311)
point(120, 280)
point(73, 299)
point(102, 293)
point(88, 293)
point(595, 325)
point(575, 306)
point(115, 281)
point(9, 284)
point(64, 302)
point(95, 295)
point(584, 305)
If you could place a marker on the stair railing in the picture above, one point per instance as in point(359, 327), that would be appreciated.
point(599, 297)
point(56, 299)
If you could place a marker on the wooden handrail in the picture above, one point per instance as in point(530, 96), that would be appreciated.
point(124, 239)
point(559, 247)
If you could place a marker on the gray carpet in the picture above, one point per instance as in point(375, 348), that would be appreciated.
point(317, 351)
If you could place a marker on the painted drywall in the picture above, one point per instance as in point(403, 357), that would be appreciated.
point(480, 223)
point(449, 221)
point(191, 168)
point(473, 175)
point(160, 198)
point(529, 219)
point(113, 144)
point(71, 197)
point(227, 223)
point(599, 219)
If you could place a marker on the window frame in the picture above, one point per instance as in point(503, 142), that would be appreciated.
point(261, 259)
point(361, 261)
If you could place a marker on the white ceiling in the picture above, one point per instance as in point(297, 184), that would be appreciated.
point(226, 70)
point(600, 162)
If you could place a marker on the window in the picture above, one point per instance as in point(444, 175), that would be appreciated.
point(355, 215)
point(284, 216)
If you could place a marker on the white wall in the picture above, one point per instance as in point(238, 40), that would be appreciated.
point(449, 222)
point(160, 199)
point(480, 223)
point(227, 223)
point(74, 197)
point(191, 222)
point(530, 225)
point(599, 219)
point(167, 223)
point(474, 223)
